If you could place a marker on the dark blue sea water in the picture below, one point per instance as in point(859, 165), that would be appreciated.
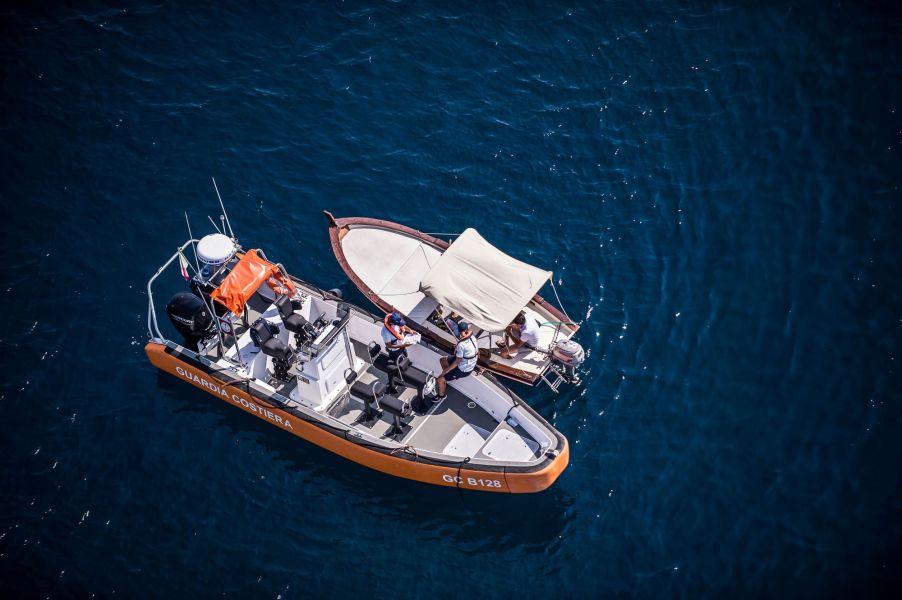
point(715, 185)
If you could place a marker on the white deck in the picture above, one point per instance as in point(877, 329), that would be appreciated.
point(392, 265)
point(531, 361)
point(468, 440)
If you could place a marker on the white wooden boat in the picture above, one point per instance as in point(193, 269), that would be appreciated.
point(401, 269)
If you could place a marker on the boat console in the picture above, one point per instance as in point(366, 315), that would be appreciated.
point(325, 362)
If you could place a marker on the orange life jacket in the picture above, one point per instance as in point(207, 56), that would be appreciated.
point(388, 326)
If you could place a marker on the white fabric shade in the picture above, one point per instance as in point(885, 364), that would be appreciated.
point(481, 283)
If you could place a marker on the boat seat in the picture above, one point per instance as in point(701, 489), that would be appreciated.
point(398, 409)
point(403, 363)
point(294, 322)
point(373, 390)
point(372, 394)
point(263, 334)
point(395, 406)
point(415, 376)
point(277, 349)
point(400, 373)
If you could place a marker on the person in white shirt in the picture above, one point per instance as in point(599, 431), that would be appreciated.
point(523, 333)
point(462, 364)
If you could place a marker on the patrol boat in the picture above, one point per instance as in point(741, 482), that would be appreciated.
point(426, 278)
point(302, 359)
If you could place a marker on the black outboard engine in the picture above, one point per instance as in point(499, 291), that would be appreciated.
point(205, 288)
point(190, 317)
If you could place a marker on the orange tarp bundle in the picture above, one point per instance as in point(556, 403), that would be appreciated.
point(246, 278)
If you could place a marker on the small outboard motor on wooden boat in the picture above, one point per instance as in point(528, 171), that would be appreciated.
point(190, 317)
point(568, 355)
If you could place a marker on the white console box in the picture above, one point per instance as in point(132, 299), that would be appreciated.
point(322, 378)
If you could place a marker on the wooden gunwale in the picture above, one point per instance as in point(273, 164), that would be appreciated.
point(338, 228)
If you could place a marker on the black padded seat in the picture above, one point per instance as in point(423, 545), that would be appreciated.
point(375, 389)
point(261, 331)
point(408, 375)
point(263, 335)
point(395, 406)
point(415, 376)
point(294, 322)
point(403, 363)
point(276, 348)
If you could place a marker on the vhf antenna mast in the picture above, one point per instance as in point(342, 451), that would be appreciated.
point(222, 206)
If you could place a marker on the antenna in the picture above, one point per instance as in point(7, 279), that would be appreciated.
point(193, 246)
point(222, 206)
point(212, 222)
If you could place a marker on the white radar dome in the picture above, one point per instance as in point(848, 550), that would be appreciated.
point(215, 249)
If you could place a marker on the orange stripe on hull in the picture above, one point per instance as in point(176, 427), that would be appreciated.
point(400, 467)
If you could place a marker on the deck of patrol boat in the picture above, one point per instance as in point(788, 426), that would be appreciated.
point(456, 426)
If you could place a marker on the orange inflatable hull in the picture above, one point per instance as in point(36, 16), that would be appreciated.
point(400, 464)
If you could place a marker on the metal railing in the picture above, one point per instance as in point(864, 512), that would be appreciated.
point(152, 327)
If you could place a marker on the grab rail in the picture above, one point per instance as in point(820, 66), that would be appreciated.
point(152, 326)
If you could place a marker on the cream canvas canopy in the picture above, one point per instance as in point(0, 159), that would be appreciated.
point(481, 283)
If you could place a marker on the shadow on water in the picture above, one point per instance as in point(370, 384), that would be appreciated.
point(474, 520)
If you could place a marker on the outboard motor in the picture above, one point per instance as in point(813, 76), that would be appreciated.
point(569, 355)
point(190, 317)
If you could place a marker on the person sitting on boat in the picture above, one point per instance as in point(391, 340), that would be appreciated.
point(397, 335)
point(450, 320)
point(462, 364)
point(522, 333)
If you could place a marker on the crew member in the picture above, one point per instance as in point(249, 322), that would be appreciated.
point(393, 331)
point(462, 363)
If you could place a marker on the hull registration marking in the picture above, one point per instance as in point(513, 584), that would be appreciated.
point(472, 481)
point(216, 389)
